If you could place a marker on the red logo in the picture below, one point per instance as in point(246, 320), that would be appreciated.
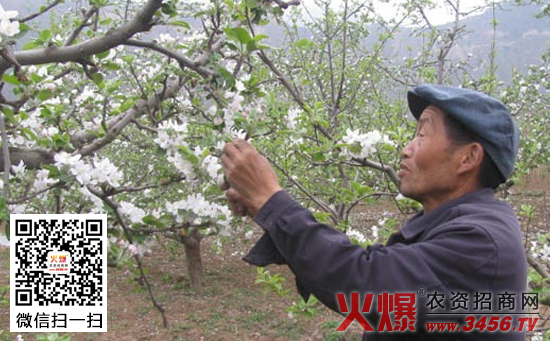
point(402, 305)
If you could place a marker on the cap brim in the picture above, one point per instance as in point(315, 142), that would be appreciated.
point(416, 104)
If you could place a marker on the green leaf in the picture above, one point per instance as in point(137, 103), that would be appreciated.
point(98, 80)
point(227, 77)
point(106, 21)
point(36, 78)
point(189, 155)
point(153, 221)
point(61, 140)
point(319, 157)
point(302, 43)
point(54, 172)
point(31, 45)
point(45, 35)
point(111, 66)
point(127, 104)
point(260, 37)
point(252, 3)
point(23, 27)
point(238, 34)
point(29, 133)
point(11, 79)
point(44, 95)
point(180, 23)
point(103, 54)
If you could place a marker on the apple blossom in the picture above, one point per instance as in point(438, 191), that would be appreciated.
point(19, 170)
point(291, 117)
point(132, 212)
point(366, 142)
point(356, 235)
point(42, 180)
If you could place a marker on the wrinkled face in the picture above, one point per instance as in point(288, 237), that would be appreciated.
point(428, 169)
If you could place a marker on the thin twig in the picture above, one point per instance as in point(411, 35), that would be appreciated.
point(319, 202)
point(128, 236)
point(34, 195)
point(44, 10)
point(6, 151)
point(84, 23)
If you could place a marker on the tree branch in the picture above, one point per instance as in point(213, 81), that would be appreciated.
point(388, 170)
point(84, 23)
point(285, 5)
point(141, 107)
point(184, 61)
point(44, 10)
point(6, 157)
point(34, 195)
point(33, 158)
point(304, 190)
point(140, 23)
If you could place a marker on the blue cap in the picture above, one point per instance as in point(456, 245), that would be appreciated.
point(486, 117)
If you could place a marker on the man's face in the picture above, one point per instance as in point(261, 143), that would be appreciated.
point(428, 167)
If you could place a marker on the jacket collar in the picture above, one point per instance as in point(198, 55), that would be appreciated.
point(422, 222)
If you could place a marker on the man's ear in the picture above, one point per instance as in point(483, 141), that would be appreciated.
point(471, 157)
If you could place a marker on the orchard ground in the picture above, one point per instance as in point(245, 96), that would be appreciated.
point(230, 306)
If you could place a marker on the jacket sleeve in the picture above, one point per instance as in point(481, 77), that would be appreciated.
point(325, 262)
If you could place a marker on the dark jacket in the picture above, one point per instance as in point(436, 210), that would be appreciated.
point(471, 244)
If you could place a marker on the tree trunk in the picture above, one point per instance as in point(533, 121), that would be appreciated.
point(192, 245)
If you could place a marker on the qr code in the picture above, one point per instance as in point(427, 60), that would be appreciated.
point(58, 273)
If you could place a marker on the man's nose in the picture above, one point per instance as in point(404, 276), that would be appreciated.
point(407, 150)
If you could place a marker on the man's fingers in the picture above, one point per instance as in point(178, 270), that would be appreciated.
point(241, 144)
point(235, 203)
point(229, 149)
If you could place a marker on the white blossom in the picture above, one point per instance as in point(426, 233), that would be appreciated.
point(358, 236)
point(183, 165)
point(374, 230)
point(197, 209)
point(239, 85)
point(163, 139)
point(19, 170)
point(83, 172)
point(105, 172)
point(400, 197)
point(545, 252)
point(366, 142)
point(291, 117)
point(212, 166)
point(7, 15)
point(42, 180)
point(166, 38)
point(132, 212)
point(7, 27)
point(64, 158)
point(237, 134)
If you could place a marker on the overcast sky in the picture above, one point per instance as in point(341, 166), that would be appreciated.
point(437, 16)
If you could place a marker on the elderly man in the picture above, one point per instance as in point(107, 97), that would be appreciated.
point(465, 241)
